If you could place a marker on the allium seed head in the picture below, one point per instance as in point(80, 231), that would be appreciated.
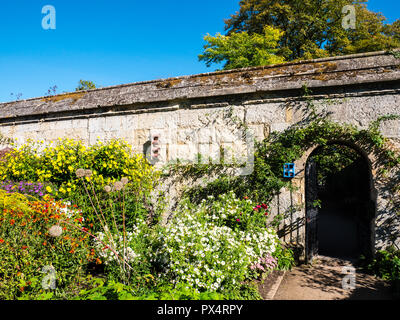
point(88, 173)
point(107, 189)
point(80, 173)
point(118, 185)
point(125, 180)
point(55, 231)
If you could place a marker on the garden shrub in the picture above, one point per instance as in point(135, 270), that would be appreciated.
point(386, 264)
point(211, 246)
point(57, 163)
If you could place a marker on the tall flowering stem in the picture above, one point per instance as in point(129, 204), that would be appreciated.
point(108, 190)
point(103, 223)
point(123, 220)
point(118, 186)
point(96, 238)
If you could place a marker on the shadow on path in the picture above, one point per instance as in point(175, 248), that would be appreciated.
point(323, 281)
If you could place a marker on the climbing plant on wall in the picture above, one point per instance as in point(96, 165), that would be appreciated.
point(316, 128)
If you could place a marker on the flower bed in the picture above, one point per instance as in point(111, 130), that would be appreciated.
point(211, 250)
point(37, 237)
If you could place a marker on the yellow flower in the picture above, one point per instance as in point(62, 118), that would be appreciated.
point(48, 189)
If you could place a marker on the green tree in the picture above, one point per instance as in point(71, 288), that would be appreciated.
point(85, 85)
point(240, 50)
point(313, 28)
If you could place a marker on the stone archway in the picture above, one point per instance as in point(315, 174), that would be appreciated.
point(365, 225)
point(340, 211)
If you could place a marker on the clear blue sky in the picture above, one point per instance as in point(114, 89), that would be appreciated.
point(110, 42)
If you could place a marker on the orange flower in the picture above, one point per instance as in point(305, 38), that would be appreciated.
point(12, 221)
point(44, 243)
point(1, 240)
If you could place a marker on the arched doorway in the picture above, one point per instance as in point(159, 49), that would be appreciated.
point(340, 209)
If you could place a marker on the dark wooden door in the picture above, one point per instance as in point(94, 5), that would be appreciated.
point(311, 211)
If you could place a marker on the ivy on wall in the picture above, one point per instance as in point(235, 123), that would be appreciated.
point(316, 128)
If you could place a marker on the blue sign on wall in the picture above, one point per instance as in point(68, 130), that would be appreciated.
point(289, 170)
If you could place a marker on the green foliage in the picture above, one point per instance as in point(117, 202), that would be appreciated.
point(332, 159)
point(285, 257)
point(313, 28)
point(182, 291)
point(386, 264)
point(112, 290)
point(371, 34)
point(85, 85)
point(244, 291)
point(101, 289)
point(240, 50)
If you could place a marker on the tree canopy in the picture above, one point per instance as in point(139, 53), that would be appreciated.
point(241, 50)
point(310, 29)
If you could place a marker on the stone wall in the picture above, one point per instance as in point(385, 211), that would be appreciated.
point(200, 113)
